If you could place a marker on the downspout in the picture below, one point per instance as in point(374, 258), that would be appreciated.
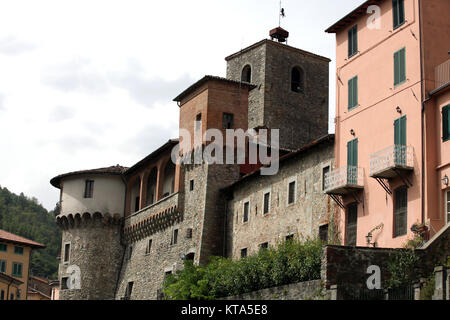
point(422, 122)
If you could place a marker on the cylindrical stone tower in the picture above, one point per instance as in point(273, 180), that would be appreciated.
point(91, 211)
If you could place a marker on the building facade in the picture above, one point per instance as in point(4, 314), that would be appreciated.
point(390, 154)
point(15, 259)
point(126, 229)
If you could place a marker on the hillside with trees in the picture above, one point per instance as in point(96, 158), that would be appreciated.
point(26, 217)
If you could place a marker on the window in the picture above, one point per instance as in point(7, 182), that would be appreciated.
point(352, 93)
point(2, 295)
point(18, 250)
point(266, 203)
point(3, 266)
point(352, 162)
point(325, 171)
point(398, 11)
point(11, 296)
point(227, 121)
point(264, 245)
point(191, 185)
point(399, 67)
point(353, 41)
point(246, 209)
point(323, 233)
point(446, 123)
point(18, 294)
point(17, 269)
point(246, 75)
point(137, 201)
point(67, 252)
point(297, 80)
point(289, 237)
point(129, 290)
point(198, 122)
point(351, 225)
point(244, 253)
point(174, 237)
point(3, 247)
point(148, 249)
point(64, 283)
point(189, 233)
point(130, 252)
point(401, 212)
point(291, 192)
point(89, 189)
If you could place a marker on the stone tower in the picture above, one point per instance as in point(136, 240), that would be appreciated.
point(291, 89)
point(91, 211)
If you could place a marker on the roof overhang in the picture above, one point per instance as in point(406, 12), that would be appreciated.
point(352, 16)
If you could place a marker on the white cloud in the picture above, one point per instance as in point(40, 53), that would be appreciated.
point(88, 84)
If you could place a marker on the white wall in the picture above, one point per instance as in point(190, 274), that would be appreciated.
point(108, 195)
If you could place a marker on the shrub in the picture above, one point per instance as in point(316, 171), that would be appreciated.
point(289, 262)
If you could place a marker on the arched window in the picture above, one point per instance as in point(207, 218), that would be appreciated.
point(297, 80)
point(246, 74)
point(169, 179)
point(151, 187)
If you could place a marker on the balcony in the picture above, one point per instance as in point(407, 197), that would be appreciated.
point(392, 161)
point(344, 181)
point(442, 73)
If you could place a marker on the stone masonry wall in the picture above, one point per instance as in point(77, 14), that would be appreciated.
point(300, 116)
point(96, 250)
point(309, 290)
point(302, 218)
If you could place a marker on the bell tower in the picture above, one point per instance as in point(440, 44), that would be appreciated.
point(291, 88)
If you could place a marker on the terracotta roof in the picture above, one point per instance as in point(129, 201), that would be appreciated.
point(352, 16)
point(10, 237)
point(113, 170)
point(311, 145)
point(207, 78)
point(46, 281)
point(9, 279)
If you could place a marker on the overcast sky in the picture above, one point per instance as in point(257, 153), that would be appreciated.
point(89, 84)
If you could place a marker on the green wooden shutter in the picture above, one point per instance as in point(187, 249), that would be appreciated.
point(400, 131)
point(399, 66)
point(396, 68)
point(352, 41)
point(352, 224)
point(352, 162)
point(401, 12)
point(395, 12)
point(446, 123)
point(353, 93)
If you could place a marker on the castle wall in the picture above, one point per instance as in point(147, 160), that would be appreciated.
point(108, 195)
point(311, 208)
point(96, 250)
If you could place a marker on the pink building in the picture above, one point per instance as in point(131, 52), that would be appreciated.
point(392, 120)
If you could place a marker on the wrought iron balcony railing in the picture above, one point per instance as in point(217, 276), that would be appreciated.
point(442, 73)
point(344, 180)
point(384, 162)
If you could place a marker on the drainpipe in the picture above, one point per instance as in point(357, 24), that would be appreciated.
point(422, 122)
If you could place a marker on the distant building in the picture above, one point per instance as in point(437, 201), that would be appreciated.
point(39, 289)
point(15, 258)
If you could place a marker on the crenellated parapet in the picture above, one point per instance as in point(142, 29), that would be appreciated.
point(154, 223)
point(77, 220)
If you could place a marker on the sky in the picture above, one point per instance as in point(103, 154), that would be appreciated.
point(89, 84)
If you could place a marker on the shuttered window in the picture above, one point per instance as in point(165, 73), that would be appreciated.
point(400, 141)
point(89, 189)
point(352, 162)
point(398, 11)
point(446, 123)
point(351, 225)
point(3, 266)
point(447, 208)
point(400, 211)
point(399, 67)
point(353, 93)
point(353, 41)
point(17, 269)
